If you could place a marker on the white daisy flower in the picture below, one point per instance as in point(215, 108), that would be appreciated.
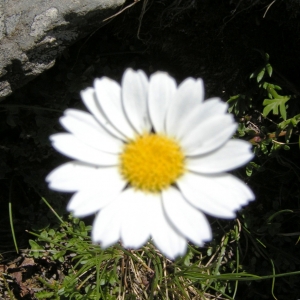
point(150, 158)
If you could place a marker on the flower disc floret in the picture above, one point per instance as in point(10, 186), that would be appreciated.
point(151, 162)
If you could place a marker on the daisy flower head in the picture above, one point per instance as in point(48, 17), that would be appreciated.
point(150, 158)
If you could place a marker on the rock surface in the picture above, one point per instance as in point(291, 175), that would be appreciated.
point(34, 33)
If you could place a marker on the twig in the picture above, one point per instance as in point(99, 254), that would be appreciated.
point(119, 12)
point(268, 8)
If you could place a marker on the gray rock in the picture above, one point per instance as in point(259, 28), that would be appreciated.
point(34, 32)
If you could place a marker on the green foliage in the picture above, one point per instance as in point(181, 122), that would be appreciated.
point(275, 102)
point(267, 101)
point(70, 245)
point(45, 295)
point(35, 248)
point(259, 74)
point(271, 124)
point(92, 273)
point(253, 166)
point(239, 104)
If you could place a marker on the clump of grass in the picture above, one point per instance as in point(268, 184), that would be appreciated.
point(85, 271)
point(89, 272)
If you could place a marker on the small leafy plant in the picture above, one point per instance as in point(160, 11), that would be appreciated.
point(255, 123)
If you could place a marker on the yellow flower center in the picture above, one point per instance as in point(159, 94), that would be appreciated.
point(151, 162)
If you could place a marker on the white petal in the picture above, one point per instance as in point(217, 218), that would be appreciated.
point(209, 135)
point(162, 88)
point(219, 195)
point(87, 129)
point(214, 106)
point(107, 224)
point(190, 222)
point(134, 97)
point(208, 109)
point(70, 176)
point(232, 155)
point(165, 237)
point(108, 93)
point(138, 215)
point(89, 99)
point(97, 191)
point(190, 93)
point(89, 202)
point(75, 176)
point(70, 146)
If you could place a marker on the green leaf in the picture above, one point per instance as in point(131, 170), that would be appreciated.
point(252, 166)
point(260, 75)
point(249, 171)
point(51, 232)
point(35, 247)
point(295, 120)
point(267, 56)
point(44, 295)
point(265, 85)
point(59, 254)
point(44, 234)
point(188, 258)
point(274, 105)
point(269, 69)
point(283, 110)
point(238, 104)
point(209, 250)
